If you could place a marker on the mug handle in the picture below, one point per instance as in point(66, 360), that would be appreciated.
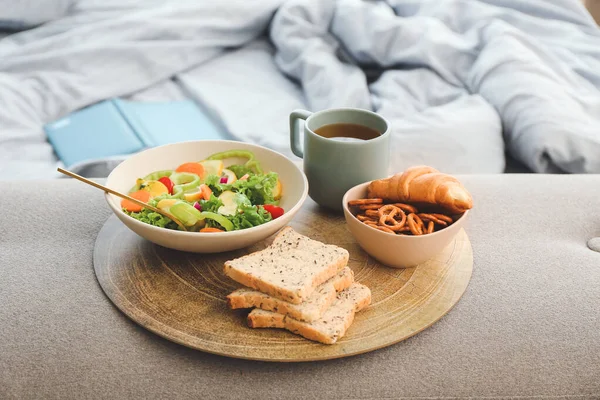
point(294, 131)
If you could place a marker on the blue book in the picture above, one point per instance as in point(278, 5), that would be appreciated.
point(168, 122)
point(94, 132)
point(117, 127)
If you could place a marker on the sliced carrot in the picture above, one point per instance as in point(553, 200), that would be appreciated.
point(206, 191)
point(141, 195)
point(211, 230)
point(192, 168)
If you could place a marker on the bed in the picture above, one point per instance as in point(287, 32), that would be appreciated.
point(469, 86)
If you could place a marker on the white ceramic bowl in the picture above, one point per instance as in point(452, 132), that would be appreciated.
point(122, 178)
point(398, 251)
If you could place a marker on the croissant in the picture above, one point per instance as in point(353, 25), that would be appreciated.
point(423, 184)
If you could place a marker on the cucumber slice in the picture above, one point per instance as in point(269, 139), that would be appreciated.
point(189, 216)
point(224, 222)
point(157, 175)
point(184, 182)
point(186, 213)
point(251, 163)
point(183, 178)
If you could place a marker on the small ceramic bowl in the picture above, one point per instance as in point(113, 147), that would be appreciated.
point(122, 178)
point(398, 251)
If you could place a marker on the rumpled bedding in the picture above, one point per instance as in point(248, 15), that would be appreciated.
point(463, 82)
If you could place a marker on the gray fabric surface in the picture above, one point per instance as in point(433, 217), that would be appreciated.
point(526, 326)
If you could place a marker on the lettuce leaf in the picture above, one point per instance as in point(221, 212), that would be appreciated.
point(153, 218)
point(240, 170)
point(211, 205)
point(247, 214)
point(250, 216)
point(258, 188)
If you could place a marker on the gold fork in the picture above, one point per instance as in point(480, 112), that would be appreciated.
point(124, 196)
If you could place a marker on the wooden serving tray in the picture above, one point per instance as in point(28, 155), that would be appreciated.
point(181, 296)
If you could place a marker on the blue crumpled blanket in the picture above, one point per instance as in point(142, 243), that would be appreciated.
point(462, 81)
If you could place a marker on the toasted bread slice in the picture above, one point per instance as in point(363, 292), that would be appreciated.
point(330, 327)
point(289, 269)
point(312, 309)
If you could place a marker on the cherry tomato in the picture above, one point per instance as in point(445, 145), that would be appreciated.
point(275, 211)
point(168, 183)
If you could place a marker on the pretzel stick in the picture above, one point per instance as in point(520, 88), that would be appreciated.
point(372, 213)
point(430, 227)
point(369, 207)
point(432, 217)
point(407, 208)
point(364, 218)
point(415, 223)
point(363, 202)
point(443, 217)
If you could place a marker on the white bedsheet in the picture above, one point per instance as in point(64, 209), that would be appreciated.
point(460, 80)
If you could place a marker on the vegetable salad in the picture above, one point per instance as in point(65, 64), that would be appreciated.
point(206, 196)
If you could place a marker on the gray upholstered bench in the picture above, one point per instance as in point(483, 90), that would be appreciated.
point(528, 325)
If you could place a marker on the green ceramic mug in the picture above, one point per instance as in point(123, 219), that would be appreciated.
point(334, 165)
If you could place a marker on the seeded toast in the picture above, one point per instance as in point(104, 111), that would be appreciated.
point(310, 310)
point(330, 327)
point(290, 268)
